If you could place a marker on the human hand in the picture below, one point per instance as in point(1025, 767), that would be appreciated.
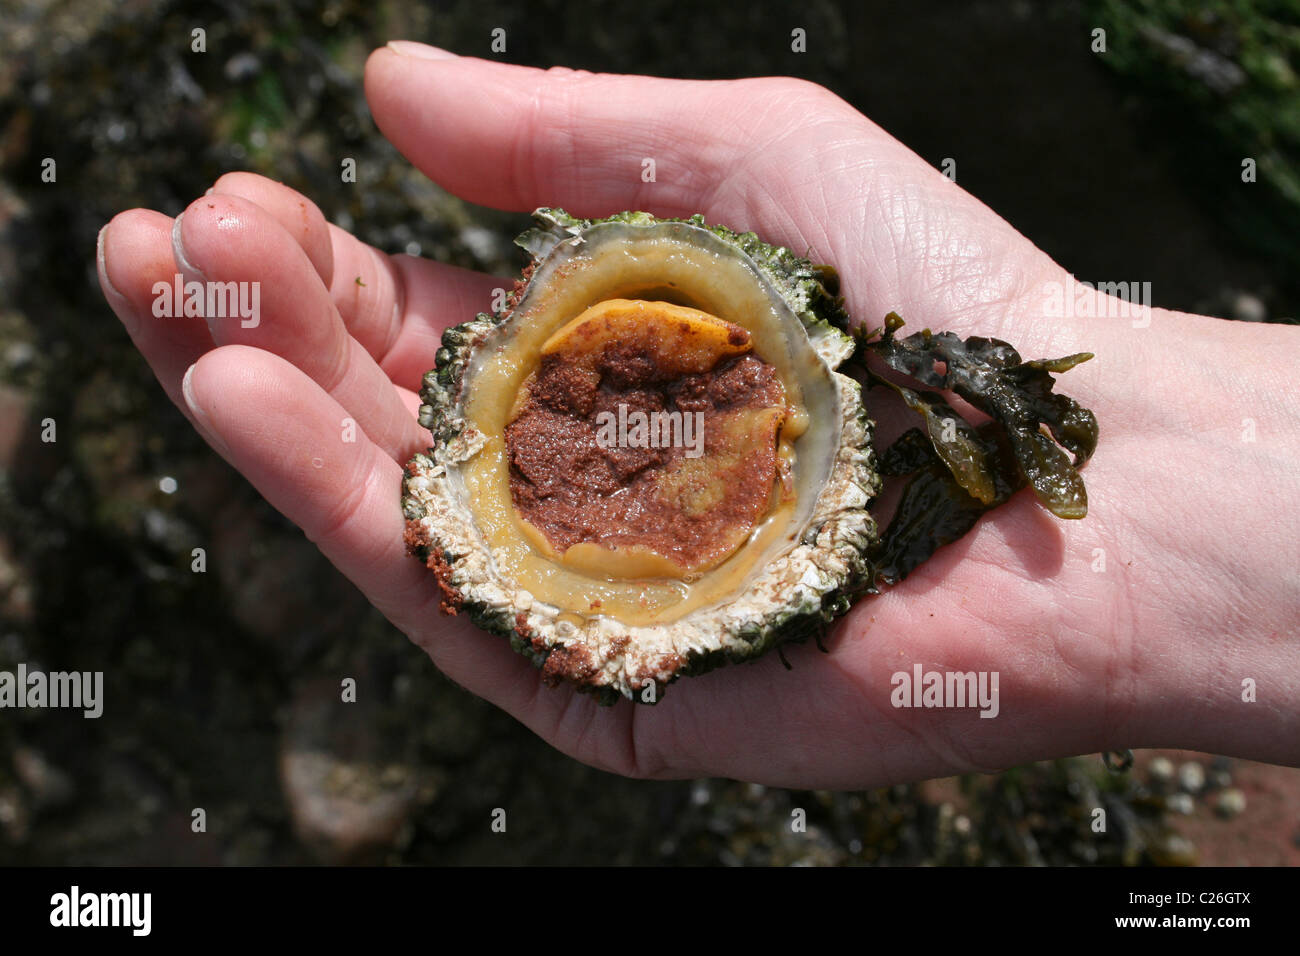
point(1149, 651)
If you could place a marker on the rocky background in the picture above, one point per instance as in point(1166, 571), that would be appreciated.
point(224, 686)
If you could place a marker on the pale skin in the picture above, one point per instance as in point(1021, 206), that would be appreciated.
point(1196, 523)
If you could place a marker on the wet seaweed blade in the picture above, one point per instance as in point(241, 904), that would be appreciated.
point(959, 471)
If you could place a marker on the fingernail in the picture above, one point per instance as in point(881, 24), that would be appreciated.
point(421, 51)
point(201, 421)
point(115, 298)
point(190, 271)
point(178, 249)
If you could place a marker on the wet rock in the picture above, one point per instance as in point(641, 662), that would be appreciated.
point(350, 790)
point(344, 811)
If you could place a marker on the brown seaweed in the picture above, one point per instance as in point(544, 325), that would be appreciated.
point(959, 471)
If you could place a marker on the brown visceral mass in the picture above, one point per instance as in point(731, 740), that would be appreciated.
point(693, 500)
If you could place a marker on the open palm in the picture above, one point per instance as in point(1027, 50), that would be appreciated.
point(346, 333)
